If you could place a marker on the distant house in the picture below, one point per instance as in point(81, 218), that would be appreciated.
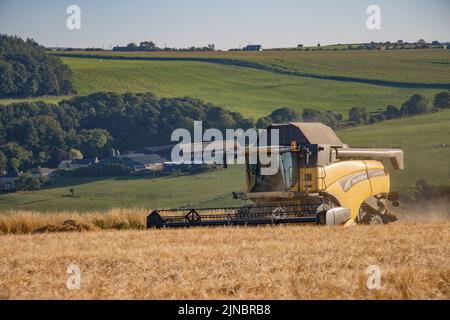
point(137, 161)
point(152, 162)
point(83, 163)
point(253, 47)
point(42, 172)
point(162, 151)
point(77, 163)
point(8, 180)
point(64, 165)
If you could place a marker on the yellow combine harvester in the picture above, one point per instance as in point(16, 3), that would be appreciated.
point(320, 180)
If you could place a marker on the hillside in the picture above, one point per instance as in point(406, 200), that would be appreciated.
point(413, 66)
point(425, 141)
point(420, 137)
point(252, 92)
point(273, 80)
point(205, 190)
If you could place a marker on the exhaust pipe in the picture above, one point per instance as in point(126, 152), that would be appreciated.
point(337, 216)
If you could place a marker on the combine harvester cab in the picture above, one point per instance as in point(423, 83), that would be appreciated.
point(319, 180)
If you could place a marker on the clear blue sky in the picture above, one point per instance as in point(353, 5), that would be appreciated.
point(226, 23)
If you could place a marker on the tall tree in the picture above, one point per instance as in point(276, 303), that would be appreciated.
point(442, 100)
point(417, 104)
point(27, 70)
point(358, 115)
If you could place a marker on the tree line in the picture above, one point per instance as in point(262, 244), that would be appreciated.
point(26, 70)
point(43, 134)
point(151, 46)
point(415, 105)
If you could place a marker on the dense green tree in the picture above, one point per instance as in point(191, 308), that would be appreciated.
point(95, 142)
point(337, 116)
point(391, 112)
point(417, 104)
point(27, 182)
point(263, 123)
point(27, 70)
point(358, 115)
point(328, 118)
point(284, 115)
point(3, 162)
point(17, 155)
point(147, 46)
point(7, 85)
point(442, 100)
point(132, 46)
point(280, 115)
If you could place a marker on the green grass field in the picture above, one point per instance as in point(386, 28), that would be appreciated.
point(252, 92)
point(420, 137)
point(255, 92)
point(213, 188)
point(416, 66)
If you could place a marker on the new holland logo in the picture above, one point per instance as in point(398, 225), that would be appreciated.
point(348, 182)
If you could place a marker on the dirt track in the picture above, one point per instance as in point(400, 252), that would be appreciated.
point(295, 262)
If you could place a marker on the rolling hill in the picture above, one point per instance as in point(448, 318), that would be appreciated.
point(254, 93)
point(409, 66)
point(424, 139)
point(257, 83)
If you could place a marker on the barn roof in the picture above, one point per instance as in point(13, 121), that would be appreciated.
point(307, 133)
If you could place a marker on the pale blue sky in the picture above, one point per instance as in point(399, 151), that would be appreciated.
point(226, 23)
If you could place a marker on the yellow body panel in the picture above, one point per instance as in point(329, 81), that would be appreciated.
point(353, 182)
point(349, 182)
point(311, 180)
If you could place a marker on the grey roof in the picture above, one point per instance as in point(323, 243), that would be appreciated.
point(83, 161)
point(150, 150)
point(136, 159)
point(145, 158)
point(253, 47)
point(307, 133)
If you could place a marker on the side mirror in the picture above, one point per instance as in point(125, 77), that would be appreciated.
point(396, 203)
point(393, 196)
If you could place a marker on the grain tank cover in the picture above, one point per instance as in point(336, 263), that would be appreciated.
point(307, 133)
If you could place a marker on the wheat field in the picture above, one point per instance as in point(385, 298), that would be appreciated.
point(25, 222)
point(285, 262)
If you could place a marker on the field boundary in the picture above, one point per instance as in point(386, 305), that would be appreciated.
point(269, 68)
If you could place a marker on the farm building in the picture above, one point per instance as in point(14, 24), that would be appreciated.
point(77, 163)
point(253, 47)
point(8, 180)
point(163, 151)
point(42, 172)
point(137, 161)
